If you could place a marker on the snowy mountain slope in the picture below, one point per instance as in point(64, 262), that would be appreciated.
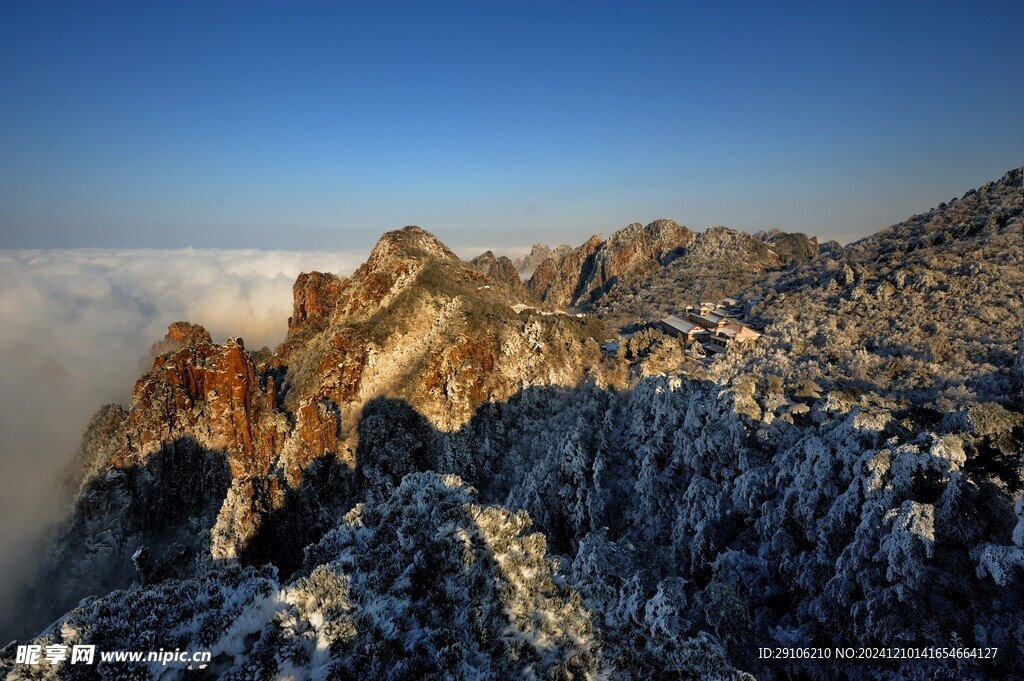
point(844, 483)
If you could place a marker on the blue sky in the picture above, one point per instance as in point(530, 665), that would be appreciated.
point(298, 126)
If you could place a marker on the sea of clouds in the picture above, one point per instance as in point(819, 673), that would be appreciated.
point(76, 327)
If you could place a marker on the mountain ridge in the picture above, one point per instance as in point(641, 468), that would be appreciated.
point(852, 478)
point(603, 276)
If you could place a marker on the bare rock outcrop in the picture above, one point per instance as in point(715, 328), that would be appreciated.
point(227, 455)
point(316, 296)
point(558, 283)
point(634, 252)
point(180, 334)
point(528, 264)
point(792, 247)
point(501, 270)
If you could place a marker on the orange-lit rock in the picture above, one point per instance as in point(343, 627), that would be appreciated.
point(315, 299)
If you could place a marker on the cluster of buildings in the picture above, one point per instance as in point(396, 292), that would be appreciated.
point(714, 327)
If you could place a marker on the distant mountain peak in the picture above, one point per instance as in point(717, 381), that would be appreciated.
point(578, 277)
point(501, 270)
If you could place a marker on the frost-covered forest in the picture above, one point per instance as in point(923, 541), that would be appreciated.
point(854, 480)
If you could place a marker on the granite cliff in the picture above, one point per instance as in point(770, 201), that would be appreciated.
point(235, 440)
point(640, 272)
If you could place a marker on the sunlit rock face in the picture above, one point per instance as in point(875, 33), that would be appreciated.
point(180, 334)
point(584, 274)
point(527, 264)
point(556, 282)
point(634, 251)
point(417, 323)
point(413, 323)
point(707, 266)
point(606, 276)
point(501, 270)
point(212, 393)
point(316, 296)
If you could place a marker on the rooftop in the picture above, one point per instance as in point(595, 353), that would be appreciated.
point(682, 325)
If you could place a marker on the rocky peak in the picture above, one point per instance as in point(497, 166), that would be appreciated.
point(639, 272)
point(543, 279)
point(501, 270)
point(212, 393)
point(739, 248)
point(792, 247)
point(527, 265)
point(179, 335)
point(587, 272)
point(395, 263)
point(634, 251)
point(556, 282)
point(415, 300)
point(409, 242)
point(667, 235)
point(187, 333)
point(485, 259)
point(208, 426)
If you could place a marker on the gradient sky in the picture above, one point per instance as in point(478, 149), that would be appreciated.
point(260, 125)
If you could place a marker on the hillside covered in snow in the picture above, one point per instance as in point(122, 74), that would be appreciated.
point(435, 476)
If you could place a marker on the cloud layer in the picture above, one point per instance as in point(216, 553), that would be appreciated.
point(76, 327)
